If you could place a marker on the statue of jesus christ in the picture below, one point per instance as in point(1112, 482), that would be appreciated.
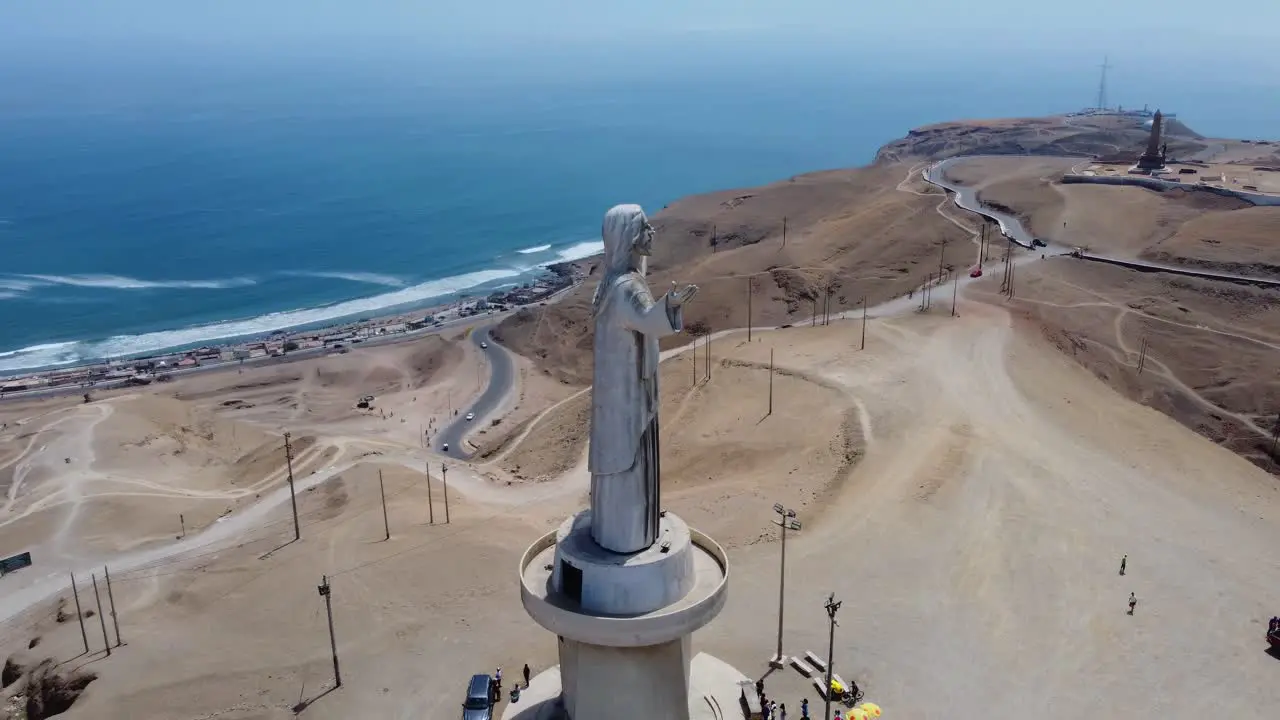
point(623, 457)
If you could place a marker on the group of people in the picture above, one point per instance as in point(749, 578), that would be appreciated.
point(1273, 627)
point(772, 710)
point(1133, 599)
point(515, 687)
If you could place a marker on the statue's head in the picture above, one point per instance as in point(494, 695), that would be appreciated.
point(628, 238)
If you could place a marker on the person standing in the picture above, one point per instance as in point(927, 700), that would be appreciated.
point(804, 709)
point(497, 681)
point(1133, 602)
point(1123, 562)
point(783, 712)
point(526, 674)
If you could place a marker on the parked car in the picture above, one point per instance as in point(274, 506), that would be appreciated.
point(479, 702)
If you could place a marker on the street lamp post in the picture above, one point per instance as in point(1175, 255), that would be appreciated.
point(787, 521)
point(832, 607)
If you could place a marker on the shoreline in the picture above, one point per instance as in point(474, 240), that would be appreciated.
point(274, 347)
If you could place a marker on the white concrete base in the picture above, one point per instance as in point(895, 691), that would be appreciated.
point(714, 689)
point(610, 583)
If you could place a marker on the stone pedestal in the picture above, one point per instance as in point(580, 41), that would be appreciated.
point(624, 622)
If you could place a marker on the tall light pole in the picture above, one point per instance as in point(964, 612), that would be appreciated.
point(787, 521)
point(293, 498)
point(832, 607)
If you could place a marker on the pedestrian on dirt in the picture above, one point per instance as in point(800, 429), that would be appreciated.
point(804, 709)
point(760, 690)
point(1133, 602)
point(526, 674)
point(1123, 562)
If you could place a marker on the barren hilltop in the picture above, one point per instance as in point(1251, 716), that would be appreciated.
point(879, 232)
point(1058, 135)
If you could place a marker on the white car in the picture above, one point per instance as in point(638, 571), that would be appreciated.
point(484, 346)
point(471, 416)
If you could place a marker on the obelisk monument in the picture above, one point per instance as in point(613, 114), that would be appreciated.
point(624, 584)
point(1153, 158)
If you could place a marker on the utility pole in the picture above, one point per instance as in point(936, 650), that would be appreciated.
point(444, 479)
point(695, 361)
point(1010, 272)
point(713, 237)
point(385, 523)
point(982, 244)
point(784, 231)
point(293, 498)
point(955, 292)
point(832, 607)
point(106, 642)
point(1275, 436)
point(787, 521)
point(864, 323)
point(942, 255)
point(431, 505)
point(79, 613)
point(750, 282)
point(326, 593)
point(111, 599)
point(770, 383)
point(182, 521)
point(706, 353)
point(814, 322)
point(1142, 356)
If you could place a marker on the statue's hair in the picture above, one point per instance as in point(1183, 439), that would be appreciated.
point(622, 228)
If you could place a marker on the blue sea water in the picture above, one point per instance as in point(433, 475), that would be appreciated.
point(149, 203)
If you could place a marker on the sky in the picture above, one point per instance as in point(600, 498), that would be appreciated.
point(1154, 45)
point(1139, 28)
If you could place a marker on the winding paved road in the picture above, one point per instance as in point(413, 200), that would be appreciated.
point(501, 378)
point(1011, 227)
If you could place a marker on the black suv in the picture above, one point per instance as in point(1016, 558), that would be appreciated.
point(479, 703)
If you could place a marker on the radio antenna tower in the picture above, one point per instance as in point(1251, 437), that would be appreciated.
point(1102, 84)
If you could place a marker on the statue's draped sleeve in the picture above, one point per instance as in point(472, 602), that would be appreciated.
point(654, 319)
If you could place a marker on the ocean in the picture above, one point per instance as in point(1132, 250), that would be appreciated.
point(152, 204)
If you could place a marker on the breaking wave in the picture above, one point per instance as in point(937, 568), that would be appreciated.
point(120, 282)
point(66, 353)
point(534, 249)
point(360, 277)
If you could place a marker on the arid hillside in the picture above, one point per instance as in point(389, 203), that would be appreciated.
point(1073, 136)
point(873, 232)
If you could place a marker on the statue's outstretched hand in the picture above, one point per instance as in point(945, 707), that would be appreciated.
point(680, 296)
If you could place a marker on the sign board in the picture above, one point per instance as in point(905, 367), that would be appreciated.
point(16, 562)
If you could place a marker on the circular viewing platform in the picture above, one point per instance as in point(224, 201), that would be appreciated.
point(566, 617)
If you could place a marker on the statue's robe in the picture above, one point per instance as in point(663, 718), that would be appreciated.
point(623, 456)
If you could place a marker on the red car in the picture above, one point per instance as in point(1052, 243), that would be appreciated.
point(976, 272)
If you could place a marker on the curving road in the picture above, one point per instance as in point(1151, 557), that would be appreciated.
point(1011, 227)
point(501, 378)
